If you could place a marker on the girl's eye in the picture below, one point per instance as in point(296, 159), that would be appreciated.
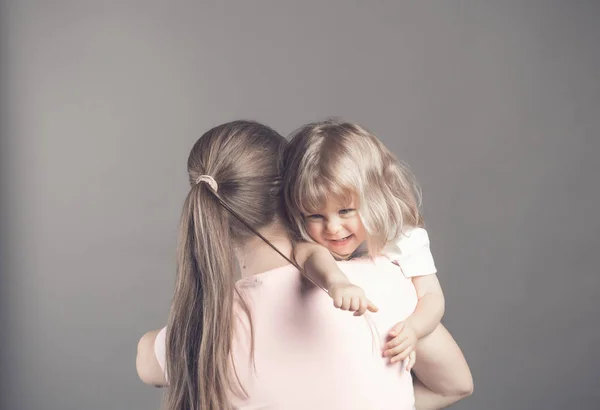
point(314, 217)
point(346, 211)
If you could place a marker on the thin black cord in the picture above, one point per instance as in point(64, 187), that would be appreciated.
point(247, 225)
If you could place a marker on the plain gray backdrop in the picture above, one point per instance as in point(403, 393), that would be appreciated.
point(494, 104)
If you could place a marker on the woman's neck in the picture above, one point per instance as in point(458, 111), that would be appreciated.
point(256, 256)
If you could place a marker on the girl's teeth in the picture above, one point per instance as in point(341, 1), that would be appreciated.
point(340, 240)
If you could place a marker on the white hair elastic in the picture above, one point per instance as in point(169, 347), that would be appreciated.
point(209, 180)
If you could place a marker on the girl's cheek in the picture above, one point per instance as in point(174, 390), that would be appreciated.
point(312, 230)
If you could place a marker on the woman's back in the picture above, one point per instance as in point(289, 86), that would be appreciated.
point(309, 355)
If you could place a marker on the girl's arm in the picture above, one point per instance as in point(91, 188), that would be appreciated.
point(320, 266)
point(430, 307)
point(412, 253)
point(147, 364)
point(442, 370)
point(426, 317)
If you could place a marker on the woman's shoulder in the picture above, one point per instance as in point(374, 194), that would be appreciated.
point(290, 275)
point(271, 274)
point(379, 265)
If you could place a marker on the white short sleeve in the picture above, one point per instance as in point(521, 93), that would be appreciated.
point(160, 350)
point(411, 252)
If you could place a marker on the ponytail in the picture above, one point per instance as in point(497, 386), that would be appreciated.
point(200, 330)
point(243, 157)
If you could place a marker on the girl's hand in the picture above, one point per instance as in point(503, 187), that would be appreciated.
point(347, 296)
point(402, 344)
point(412, 358)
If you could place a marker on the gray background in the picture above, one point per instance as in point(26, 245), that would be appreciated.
point(494, 104)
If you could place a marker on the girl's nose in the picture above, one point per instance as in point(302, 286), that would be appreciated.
point(332, 226)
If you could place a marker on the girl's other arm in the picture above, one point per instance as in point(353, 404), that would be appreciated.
point(430, 307)
point(426, 317)
point(320, 266)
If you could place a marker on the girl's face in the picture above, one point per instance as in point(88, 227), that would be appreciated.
point(337, 226)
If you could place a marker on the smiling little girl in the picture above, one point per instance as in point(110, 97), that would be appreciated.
point(348, 196)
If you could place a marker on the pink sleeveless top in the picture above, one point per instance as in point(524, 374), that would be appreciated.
point(310, 355)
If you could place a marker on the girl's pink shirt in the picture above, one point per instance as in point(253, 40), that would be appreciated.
point(310, 355)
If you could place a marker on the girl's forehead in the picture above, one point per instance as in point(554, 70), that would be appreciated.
point(332, 202)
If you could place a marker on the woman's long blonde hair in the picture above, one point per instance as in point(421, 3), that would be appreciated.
point(243, 158)
point(340, 160)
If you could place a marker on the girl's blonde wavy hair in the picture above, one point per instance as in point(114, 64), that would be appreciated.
point(342, 160)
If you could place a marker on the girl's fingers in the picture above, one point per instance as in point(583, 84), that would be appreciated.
point(396, 329)
point(402, 355)
point(337, 302)
point(357, 304)
point(398, 349)
point(345, 304)
point(362, 308)
point(395, 341)
point(411, 360)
